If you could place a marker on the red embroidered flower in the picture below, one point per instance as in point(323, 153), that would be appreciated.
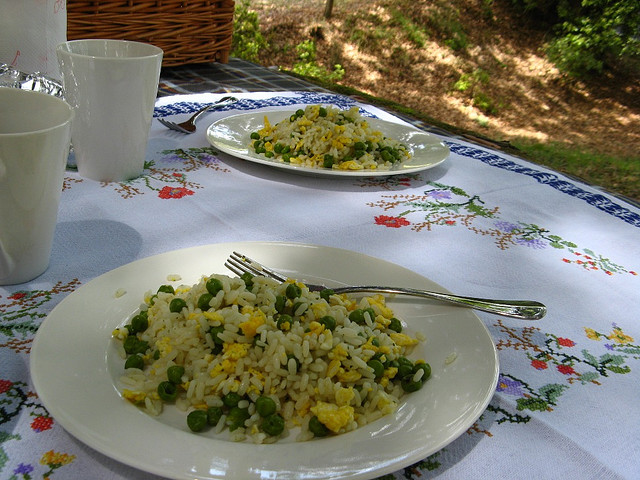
point(393, 222)
point(174, 192)
point(566, 342)
point(539, 364)
point(566, 369)
point(18, 296)
point(40, 424)
point(5, 386)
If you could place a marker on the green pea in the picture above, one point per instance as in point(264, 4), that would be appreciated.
point(359, 146)
point(197, 420)
point(292, 118)
point(409, 385)
point(371, 312)
point(139, 323)
point(175, 373)
point(326, 294)
point(203, 301)
point(286, 149)
point(377, 367)
point(386, 156)
point(213, 286)
point(297, 308)
point(268, 154)
point(176, 305)
point(405, 367)
point(322, 112)
point(167, 391)
point(236, 417)
point(290, 356)
point(427, 370)
point(214, 331)
point(277, 148)
point(299, 112)
point(281, 303)
point(328, 321)
point(265, 406)
point(395, 325)
point(254, 136)
point(284, 322)
point(247, 278)
point(293, 291)
point(328, 161)
point(166, 289)
point(231, 399)
point(134, 361)
point(357, 316)
point(214, 414)
point(286, 157)
point(318, 428)
point(156, 355)
point(273, 425)
point(133, 344)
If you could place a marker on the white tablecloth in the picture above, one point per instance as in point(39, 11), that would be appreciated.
point(483, 223)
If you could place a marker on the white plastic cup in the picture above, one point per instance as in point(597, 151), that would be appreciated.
point(112, 85)
point(35, 130)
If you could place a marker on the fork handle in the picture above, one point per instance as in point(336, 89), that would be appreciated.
point(524, 309)
point(223, 102)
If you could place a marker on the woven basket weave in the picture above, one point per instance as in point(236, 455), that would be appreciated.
point(188, 31)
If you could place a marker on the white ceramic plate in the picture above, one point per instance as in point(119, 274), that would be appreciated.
point(232, 135)
point(75, 370)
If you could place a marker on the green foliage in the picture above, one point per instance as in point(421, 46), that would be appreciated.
point(247, 40)
point(472, 84)
point(446, 22)
point(590, 35)
point(415, 33)
point(308, 66)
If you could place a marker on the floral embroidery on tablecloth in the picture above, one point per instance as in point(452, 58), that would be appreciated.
point(567, 362)
point(167, 175)
point(22, 312)
point(448, 206)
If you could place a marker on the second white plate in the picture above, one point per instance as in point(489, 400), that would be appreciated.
point(232, 135)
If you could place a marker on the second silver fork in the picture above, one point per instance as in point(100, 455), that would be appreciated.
point(522, 309)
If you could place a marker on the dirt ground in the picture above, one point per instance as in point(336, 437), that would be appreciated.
point(502, 63)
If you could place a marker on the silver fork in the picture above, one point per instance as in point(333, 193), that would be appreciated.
point(523, 309)
point(189, 126)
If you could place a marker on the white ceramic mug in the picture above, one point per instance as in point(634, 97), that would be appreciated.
point(112, 85)
point(35, 130)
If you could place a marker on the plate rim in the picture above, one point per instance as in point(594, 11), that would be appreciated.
point(444, 151)
point(411, 457)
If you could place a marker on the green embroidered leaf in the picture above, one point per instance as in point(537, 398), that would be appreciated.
point(570, 245)
point(459, 191)
point(555, 238)
point(589, 377)
point(533, 404)
point(590, 359)
point(552, 392)
point(619, 370)
point(557, 245)
point(609, 359)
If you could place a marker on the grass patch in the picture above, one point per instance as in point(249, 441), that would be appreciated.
point(616, 174)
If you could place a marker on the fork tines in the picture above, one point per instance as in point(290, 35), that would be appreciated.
point(239, 264)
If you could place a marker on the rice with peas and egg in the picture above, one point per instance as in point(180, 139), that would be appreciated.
point(327, 137)
point(248, 354)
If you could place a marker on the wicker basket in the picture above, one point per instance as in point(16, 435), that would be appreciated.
point(188, 31)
